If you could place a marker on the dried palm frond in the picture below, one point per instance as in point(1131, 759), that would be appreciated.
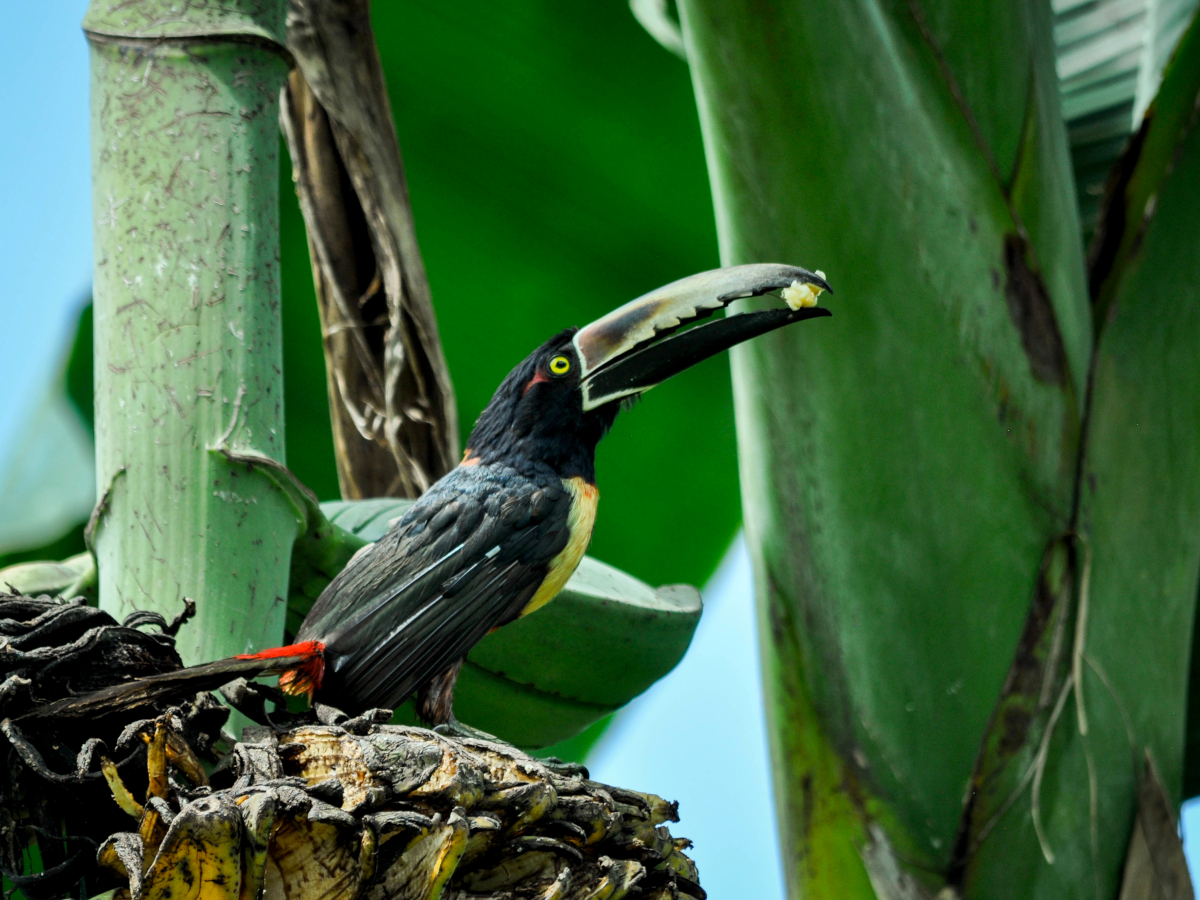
point(53, 793)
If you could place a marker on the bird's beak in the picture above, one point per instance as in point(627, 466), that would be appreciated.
point(639, 345)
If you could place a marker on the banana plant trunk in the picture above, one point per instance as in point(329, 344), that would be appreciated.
point(188, 343)
point(973, 503)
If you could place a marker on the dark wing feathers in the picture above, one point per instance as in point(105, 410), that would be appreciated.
point(466, 558)
point(440, 640)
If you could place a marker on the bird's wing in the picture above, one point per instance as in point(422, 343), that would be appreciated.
point(465, 559)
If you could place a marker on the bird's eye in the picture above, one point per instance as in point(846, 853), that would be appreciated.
point(560, 365)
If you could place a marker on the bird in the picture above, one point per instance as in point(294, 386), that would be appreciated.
point(499, 535)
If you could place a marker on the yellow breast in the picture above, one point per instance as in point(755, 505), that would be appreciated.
point(584, 498)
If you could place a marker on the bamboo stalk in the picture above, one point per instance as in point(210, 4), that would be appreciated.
point(188, 346)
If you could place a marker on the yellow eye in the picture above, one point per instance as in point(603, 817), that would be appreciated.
point(560, 365)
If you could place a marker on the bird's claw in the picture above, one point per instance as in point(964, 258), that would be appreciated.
point(457, 729)
point(566, 769)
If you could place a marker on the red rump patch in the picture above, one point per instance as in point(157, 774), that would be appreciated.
point(303, 679)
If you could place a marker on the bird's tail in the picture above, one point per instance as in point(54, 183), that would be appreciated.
point(302, 667)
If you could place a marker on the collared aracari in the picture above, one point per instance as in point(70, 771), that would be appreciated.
point(500, 535)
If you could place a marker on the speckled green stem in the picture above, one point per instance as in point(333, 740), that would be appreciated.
point(189, 380)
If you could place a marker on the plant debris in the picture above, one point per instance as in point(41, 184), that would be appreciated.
point(55, 804)
point(315, 804)
point(376, 811)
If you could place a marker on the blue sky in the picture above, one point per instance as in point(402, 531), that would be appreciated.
point(45, 193)
point(706, 716)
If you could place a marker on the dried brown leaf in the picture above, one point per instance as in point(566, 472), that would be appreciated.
point(391, 400)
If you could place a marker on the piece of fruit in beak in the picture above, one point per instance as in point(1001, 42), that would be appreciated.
point(801, 296)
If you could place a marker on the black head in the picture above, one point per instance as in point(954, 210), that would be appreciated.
point(536, 418)
point(553, 409)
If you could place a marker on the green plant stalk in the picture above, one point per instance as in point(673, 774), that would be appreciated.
point(188, 344)
point(1138, 525)
point(905, 471)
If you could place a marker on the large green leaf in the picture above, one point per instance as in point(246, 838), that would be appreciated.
point(1139, 523)
point(1110, 58)
point(74, 576)
point(905, 469)
point(546, 677)
point(48, 479)
point(950, 597)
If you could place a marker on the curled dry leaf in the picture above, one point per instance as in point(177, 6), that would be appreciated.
point(395, 423)
point(55, 798)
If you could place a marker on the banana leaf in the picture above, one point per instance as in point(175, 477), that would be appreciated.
point(1138, 521)
point(976, 540)
point(74, 576)
point(904, 472)
point(48, 479)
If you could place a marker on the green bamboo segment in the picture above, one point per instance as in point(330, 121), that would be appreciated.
point(188, 361)
point(904, 475)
